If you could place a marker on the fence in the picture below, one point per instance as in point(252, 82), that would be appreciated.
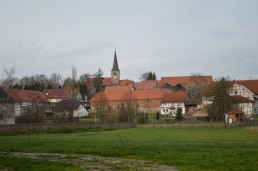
point(67, 126)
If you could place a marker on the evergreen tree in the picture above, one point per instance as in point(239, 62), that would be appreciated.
point(151, 76)
point(179, 116)
point(148, 76)
point(221, 100)
point(97, 81)
point(157, 116)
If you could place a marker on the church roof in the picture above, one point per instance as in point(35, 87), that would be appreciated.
point(115, 64)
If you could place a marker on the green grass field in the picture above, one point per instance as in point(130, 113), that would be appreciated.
point(24, 164)
point(183, 148)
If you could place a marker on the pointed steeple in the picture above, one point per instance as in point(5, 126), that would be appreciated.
point(115, 72)
point(115, 64)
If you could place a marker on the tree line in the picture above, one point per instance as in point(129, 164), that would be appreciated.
point(39, 82)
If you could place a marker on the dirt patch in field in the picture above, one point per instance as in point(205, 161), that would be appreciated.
point(95, 163)
point(252, 128)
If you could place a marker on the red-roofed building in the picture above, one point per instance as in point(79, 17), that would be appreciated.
point(187, 81)
point(245, 96)
point(172, 101)
point(146, 85)
point(114, 80)
point(107, 81)
point(252, 85)
point(119, 88)
point(18, 101)
point(147, 101)
point(235, 115)
point(126, 83)
point(55, 95)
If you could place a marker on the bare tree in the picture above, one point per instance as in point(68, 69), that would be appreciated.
point(198, 78)
point(72, 87)
point(9, 77)
point(7, 82)
point(144, 76)
point(42, 81)
point(67, 105)
point(100, 104)
point(38, 101)
point(83, 85)
point(55, 80)
point(5, 106)
point(128, 107)
point(25, 81)
point(72, 84)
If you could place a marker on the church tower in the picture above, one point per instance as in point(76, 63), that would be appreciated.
point(115, 73)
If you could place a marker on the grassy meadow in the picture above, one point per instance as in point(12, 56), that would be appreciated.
point(183, 148)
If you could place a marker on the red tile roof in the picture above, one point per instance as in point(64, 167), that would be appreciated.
point(148, 94)
point(146, 84)
point(118, 88)
point(174, 97)
point(132, 94)
point(25, 95)
point(56, 93)
point(159, 83)
point(252, 85)
point(241, 99)
point(107, 81)
point(187, 80)
point(126, 82)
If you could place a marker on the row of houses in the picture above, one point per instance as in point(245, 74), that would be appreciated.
point(168, 94)
point(162, 96)
point(15, 103)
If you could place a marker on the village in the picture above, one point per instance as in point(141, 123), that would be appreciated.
point(116, 100)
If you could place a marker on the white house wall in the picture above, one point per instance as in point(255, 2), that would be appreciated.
point(166, 108)
point(17, 109)
point(242, 91)
point(81, 111)
point(248, 108)
point(256, 106)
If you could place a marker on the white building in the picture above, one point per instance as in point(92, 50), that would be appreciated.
point(171, 102)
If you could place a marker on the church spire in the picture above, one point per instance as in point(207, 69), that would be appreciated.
point(115, 64)
point(115, 72)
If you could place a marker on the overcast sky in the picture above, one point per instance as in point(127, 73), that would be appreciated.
point(168, 37)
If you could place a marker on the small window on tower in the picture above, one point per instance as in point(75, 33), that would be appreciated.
point(114, 75)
